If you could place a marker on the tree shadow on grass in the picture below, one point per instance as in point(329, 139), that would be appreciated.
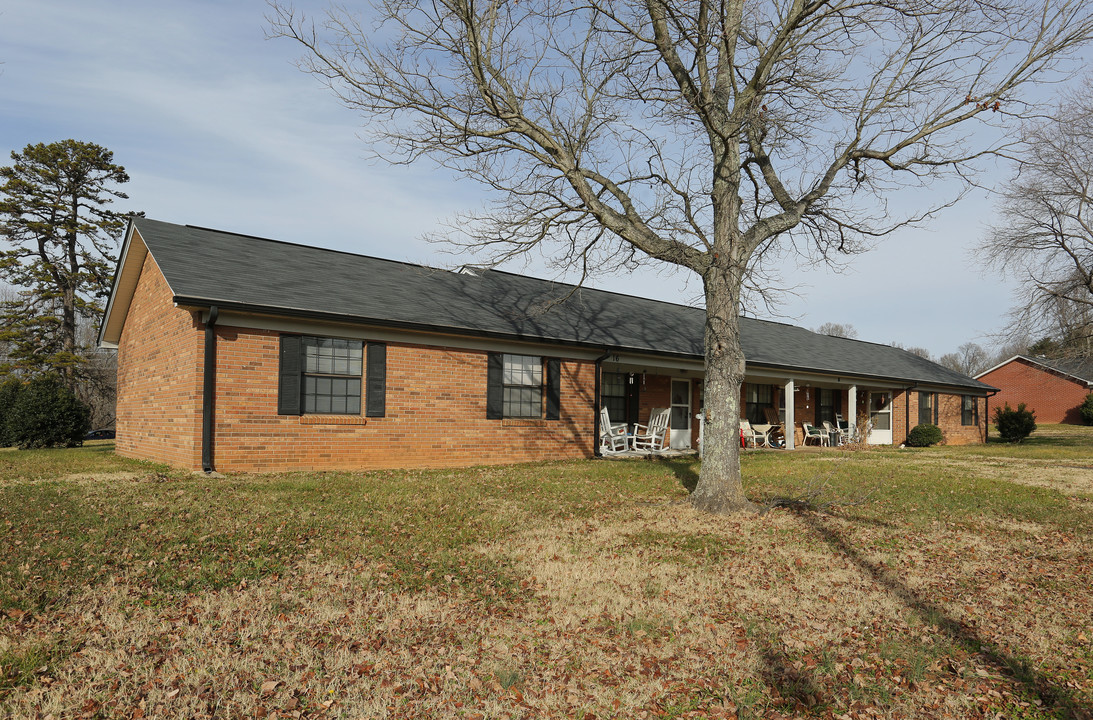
point(793, 686)
point(1039, 685)
point(684, 470)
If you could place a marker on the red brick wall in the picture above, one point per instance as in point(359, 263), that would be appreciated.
point(1054, 398)
point(949, 418)
point(435, 415)
point(159, 377)
point(436, 403)
point(949, 413)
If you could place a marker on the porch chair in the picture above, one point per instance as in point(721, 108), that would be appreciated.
point(654, 435)
point(613, 436)
point(834, 436)
point(751, 435)
point(845, 433)
point(814, 433)
point(776, 436)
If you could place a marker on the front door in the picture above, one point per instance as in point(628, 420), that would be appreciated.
point(681, 414)
point(880, 418)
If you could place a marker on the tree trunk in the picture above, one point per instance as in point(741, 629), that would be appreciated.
point(68, 337)
point(719, 485)
point(68, 318)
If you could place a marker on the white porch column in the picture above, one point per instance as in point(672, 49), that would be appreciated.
point(788, 429)
point(852, 411)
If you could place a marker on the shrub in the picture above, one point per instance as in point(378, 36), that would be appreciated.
point(1014, 425)
point(9, 392)
point(1087, 409)
point(46, 414)
point(924, 435)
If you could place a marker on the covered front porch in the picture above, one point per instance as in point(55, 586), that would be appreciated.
point(633, 389)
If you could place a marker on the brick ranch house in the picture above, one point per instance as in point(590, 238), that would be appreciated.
point(1055, 389)
point(237, 353)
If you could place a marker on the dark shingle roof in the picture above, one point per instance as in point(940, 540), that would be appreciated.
point(206, 267)
point(1080, 368)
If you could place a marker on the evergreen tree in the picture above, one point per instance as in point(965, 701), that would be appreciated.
point(56, 220)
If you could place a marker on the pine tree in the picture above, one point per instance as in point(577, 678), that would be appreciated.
point(61, 233)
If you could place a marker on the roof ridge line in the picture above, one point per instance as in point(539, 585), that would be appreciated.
point(310, 247)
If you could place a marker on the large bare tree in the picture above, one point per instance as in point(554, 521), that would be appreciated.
point(1043, 236)
point(703, 134)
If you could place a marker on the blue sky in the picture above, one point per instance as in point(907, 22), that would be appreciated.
point(218, 128)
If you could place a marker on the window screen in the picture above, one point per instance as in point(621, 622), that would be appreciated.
point(522, 378)
point(828, 404)
point(757, 398)
point(925, 408)
point(613, 394)
point(969, 410)
point(332, 375)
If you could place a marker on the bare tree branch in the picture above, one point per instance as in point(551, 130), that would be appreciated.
point(711, 136)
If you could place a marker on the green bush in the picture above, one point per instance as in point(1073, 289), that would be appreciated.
point(47, 414)
point(1014, 425)
point(924, 435)
point(1087, 409)
point(9, 392)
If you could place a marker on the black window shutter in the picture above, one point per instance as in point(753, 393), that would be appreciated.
point(495, 390)
point(289, 383)
point(376, 381)
point(937, 402)
point(553, 388)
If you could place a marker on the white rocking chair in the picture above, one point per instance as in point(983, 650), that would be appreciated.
point(654, 436)
point(613, 436)
point(752, 438)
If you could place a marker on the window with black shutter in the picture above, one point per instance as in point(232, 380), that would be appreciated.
point(927, 408)
point(324, 376)
point(523, 386)
point(828, 405)
point(969, 410)
point(613, 395)
point(757, 399)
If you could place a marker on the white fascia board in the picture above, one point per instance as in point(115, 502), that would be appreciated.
point(358, 331)
point(133, 253)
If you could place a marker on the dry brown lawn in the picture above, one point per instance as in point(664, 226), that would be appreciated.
point(941, 583)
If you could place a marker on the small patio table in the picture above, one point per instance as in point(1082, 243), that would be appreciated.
point(765, 431)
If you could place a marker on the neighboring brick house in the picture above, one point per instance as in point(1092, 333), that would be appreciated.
point(241, 354)
point(1054, 389)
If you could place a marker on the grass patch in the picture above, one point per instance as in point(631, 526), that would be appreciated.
point(21, 668)
point(958, 587)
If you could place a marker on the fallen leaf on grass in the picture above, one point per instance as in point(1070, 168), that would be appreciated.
point(269, 686)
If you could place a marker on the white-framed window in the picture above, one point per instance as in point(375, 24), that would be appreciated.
point(332, 375)
point(522, 380)
point(969, 410)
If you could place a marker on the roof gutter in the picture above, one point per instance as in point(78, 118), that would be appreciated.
point(907, 412)
point(596, 404)
point(860, 378)
point(208, 391)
